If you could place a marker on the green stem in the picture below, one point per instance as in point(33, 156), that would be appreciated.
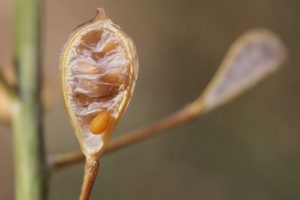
point(30, 167)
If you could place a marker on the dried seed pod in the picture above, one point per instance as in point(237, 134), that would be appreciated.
point(251, 58)
point(99, 68)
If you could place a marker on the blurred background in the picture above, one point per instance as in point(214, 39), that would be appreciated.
point(249, 149)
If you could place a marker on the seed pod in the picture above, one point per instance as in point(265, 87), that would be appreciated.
point(99, 68)
point(251, 58)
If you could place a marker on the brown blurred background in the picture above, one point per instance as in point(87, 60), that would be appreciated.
point(249, 149)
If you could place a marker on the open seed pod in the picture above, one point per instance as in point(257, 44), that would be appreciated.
point(99, 68)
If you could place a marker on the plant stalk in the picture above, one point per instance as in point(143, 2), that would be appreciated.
point(30, 163)
point(90, 175)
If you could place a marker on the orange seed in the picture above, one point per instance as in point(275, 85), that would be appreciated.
point(100, 122)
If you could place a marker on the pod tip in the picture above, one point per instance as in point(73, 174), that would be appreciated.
point(100, 13)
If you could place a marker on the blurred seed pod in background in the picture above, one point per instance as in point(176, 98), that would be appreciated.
point(251, 58)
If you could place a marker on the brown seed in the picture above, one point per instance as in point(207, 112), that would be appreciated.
point(82, 99)
point(109, 47)
point(100, 122)
point(115, 77)
point(91, 38)
point(112, 78)
point(86, 68)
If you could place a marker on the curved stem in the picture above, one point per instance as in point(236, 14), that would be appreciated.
point(90, 174)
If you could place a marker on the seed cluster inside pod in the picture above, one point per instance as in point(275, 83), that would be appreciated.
point(100, 67)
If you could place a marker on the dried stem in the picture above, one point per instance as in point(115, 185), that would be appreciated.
point(181, 117)
point(90, 174)
point(6, 87)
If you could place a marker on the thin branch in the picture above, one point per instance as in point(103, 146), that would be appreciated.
point(181, 117)
point(4, 85)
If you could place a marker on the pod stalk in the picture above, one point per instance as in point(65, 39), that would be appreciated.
point(90, 174)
